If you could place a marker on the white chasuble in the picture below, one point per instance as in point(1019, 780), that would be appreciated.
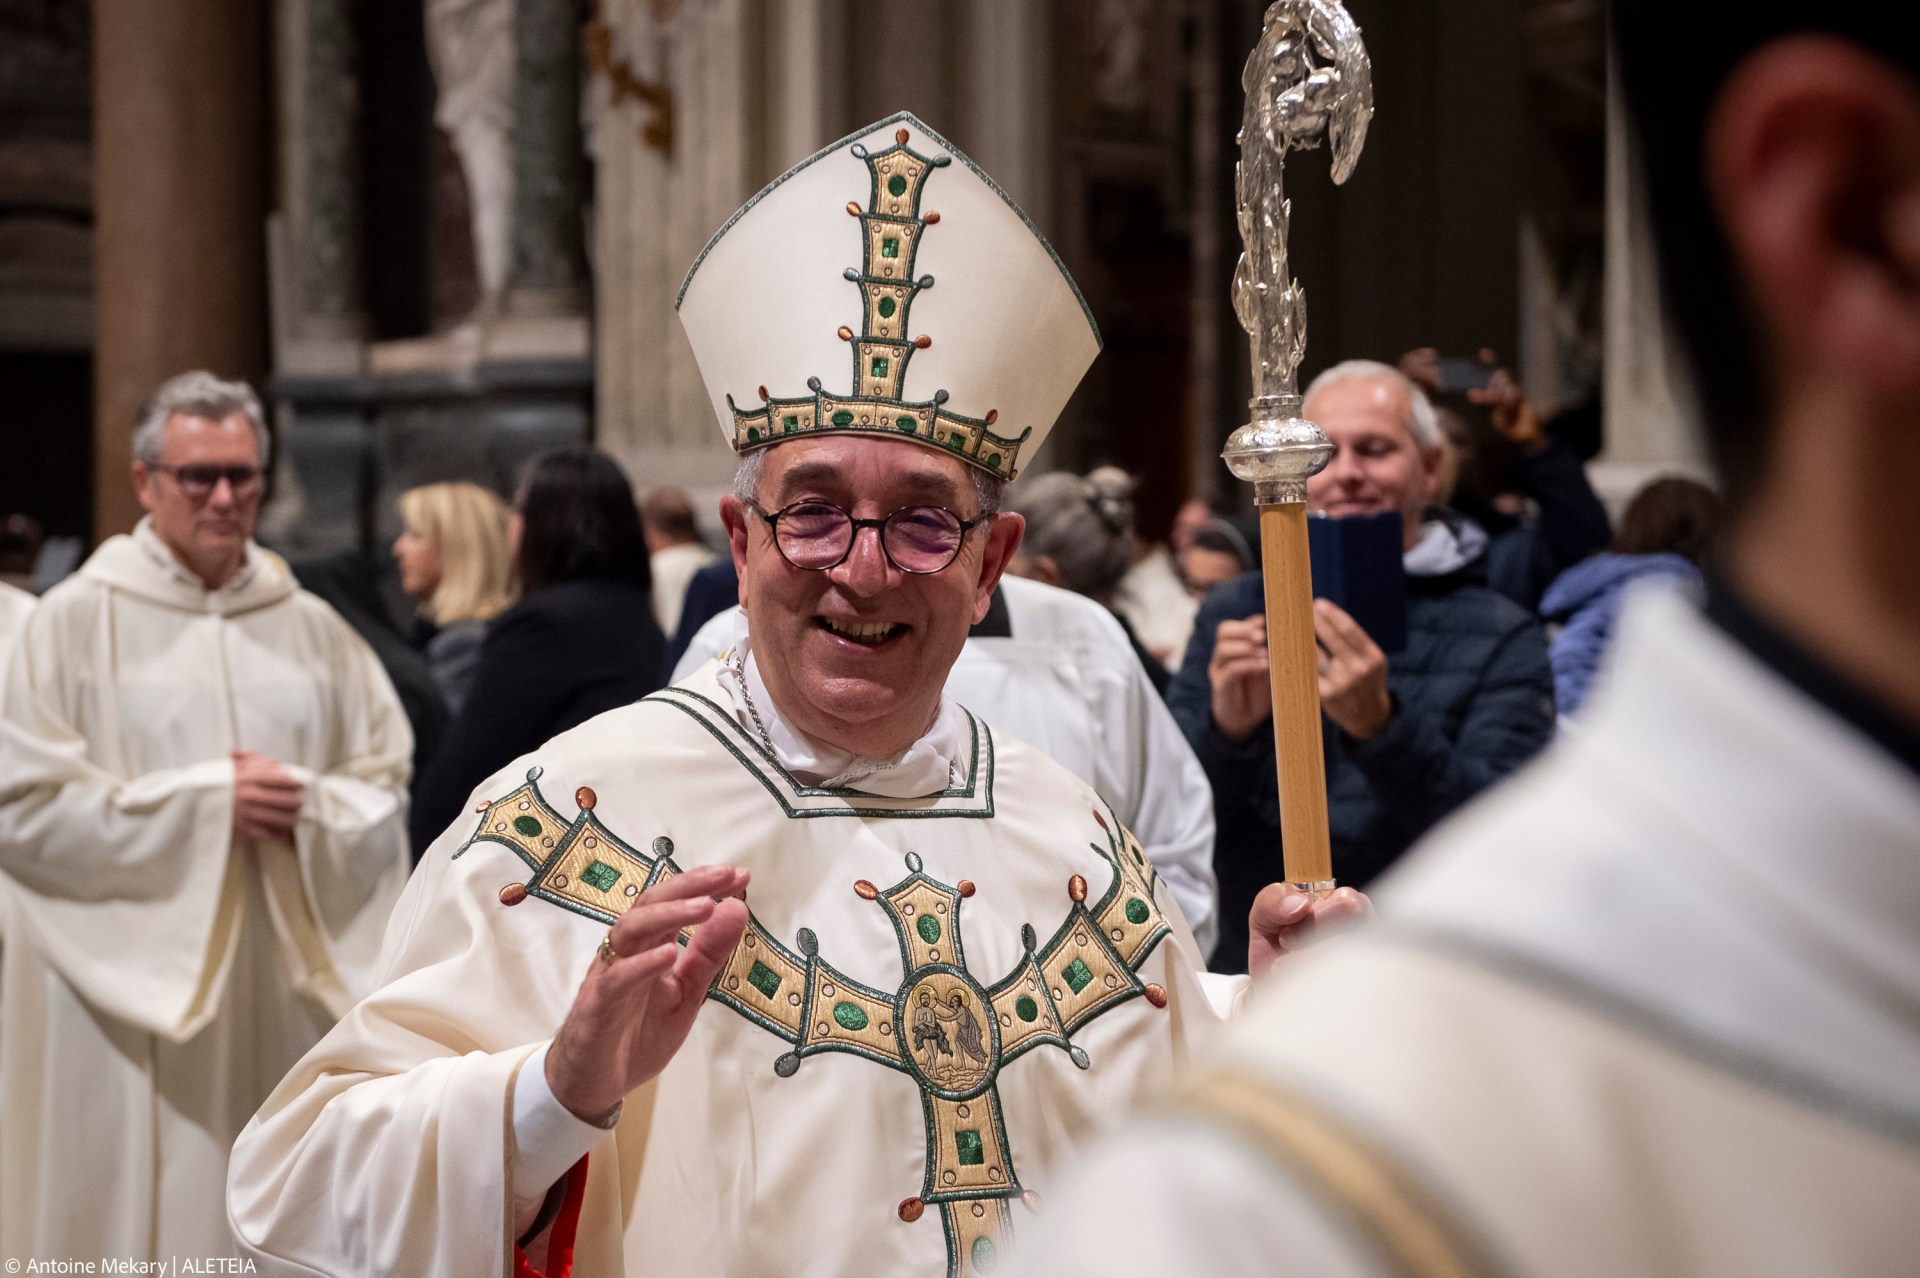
point(160, 977)
point(936, 998)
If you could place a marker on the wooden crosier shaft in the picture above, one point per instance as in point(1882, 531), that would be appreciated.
point(1293, 663)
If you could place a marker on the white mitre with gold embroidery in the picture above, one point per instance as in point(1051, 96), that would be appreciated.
point(886, 285)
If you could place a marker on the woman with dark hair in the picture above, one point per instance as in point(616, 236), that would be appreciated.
point(1667, 534)
point(580, 641)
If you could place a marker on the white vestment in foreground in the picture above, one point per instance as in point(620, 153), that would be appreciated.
point(160, 978)
point(1650, 1009)
point(937, 998)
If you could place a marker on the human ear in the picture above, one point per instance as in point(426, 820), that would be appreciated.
point(733, 517)
point(1004, 532)
point(1430, 459)
point(143, 485)
point(1812, 157)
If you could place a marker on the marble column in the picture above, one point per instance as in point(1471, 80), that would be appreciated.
point(332, 142)
point(1650, 426)
point(549, 272)
point(315, 237)
point(733, 130)
point(1009, 52)
point(180, 112)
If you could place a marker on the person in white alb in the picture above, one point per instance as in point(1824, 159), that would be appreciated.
point(1654, 1007)
point(796, 966)
point(202, 785)
point(15, 604)
point(1054, 669)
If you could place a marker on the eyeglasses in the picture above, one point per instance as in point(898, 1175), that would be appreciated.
point(817, 535)
point(198, 482)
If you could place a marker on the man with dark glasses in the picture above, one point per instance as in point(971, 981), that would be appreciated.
point(202, 779)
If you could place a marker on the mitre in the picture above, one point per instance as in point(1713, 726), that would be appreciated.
point(887, 286)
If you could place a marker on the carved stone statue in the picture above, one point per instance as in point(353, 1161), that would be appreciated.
point(470, 44)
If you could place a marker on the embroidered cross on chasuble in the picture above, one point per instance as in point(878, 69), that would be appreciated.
point(941, 1026)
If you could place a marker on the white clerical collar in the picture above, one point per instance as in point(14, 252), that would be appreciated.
point(163, 558)
point(937, 761)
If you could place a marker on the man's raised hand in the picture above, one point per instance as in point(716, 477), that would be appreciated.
point(1353, 673)
point(1237, 672)
point(631, 1014)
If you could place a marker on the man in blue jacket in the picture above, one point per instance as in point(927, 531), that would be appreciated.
point(1468, 701)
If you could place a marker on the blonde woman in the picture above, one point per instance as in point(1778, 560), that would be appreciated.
point(453, 557)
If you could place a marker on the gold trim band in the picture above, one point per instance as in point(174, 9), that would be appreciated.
point(1401, 1221)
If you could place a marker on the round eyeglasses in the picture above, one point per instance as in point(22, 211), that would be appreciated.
point(817, 535)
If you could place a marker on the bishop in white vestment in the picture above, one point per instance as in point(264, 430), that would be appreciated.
point(161, 974)
point(952, 962)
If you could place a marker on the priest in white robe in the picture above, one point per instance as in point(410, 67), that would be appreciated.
point(1654, 1007)
point(951, 962)
point(202, 779)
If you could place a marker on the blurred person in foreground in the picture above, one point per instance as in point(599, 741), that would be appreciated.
point(1665, 536)
point(1409, 738)
point(578, 641)
point(1080, 537)
point(952, 964)
point(674, 550)
point(1512, 477)
point(456, 565)
point(1651, 1008)
point(202, 788)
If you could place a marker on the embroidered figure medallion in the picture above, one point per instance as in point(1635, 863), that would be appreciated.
point(940, 1025)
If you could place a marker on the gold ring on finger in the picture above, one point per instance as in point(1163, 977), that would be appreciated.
point(607, 953)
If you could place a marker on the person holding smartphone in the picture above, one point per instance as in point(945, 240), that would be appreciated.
point(1408, 739)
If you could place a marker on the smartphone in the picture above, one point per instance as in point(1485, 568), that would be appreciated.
point(1357, 566)
point(1463, 374)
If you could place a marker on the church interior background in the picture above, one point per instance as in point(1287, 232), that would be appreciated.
point(442, 235)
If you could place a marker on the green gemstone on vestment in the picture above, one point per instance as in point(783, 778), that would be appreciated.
point(984, 1256)
point(790, 423)
point(890, 247)
point(600, 875)
point(850, 1016)
point(929, 928)
point(886, 308)
point(1137, 911)
point(993, 459)
point(1025, 1008)
point(1077, 974)
point(896, 185)
point(753, 435)
point(966, 1143)
point(879, 366)
point(764, 979)
point(906, 425)
point(843, 418)
point(528, 826)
